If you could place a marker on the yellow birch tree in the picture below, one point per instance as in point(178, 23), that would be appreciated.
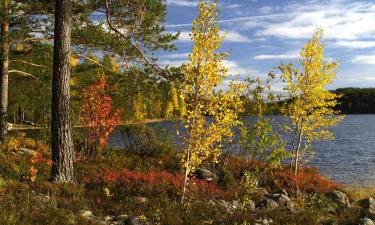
point(311, 109)
point(209, 117)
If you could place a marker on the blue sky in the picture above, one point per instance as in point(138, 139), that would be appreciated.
point(262, 33)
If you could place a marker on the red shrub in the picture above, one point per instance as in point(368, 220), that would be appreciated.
point(155, 180)
point(307, 180)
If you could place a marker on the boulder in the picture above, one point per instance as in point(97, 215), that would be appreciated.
point(367, 204)
point(281, 200)
point(205, 174)
point(268, 204)
point(280, 191)
point(229, 207)
point(338, 197)
point(141, 200)
point(87, 214)
point(139, 220)
point(366, 221)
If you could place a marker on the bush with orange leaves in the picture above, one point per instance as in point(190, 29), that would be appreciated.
point(97, 116)
point(308, 180)
point(40, 161)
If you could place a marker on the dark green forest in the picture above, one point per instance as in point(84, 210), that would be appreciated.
point(356, 100)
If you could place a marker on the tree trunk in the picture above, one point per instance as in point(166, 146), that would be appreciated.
point(4, 69)
point(187, 172)
point(61, 140)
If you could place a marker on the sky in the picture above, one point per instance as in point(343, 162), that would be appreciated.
point(260, 34)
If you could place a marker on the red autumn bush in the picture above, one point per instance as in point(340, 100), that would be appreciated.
point(97, 116)
point(307, 180)
point(156, 180)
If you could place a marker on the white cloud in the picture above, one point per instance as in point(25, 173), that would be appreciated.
point(176, 56)
point(229, 36)
point(356, 44)
point(280, 56)
point(265, 9)
point(172, 62)
point(364, 59)
point(233, 6)
point(339, 20)
point(234, 36)
point(182, 3)
point(235, 69)
point(369, 78)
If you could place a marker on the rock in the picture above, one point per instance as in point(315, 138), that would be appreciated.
point(205, 174)
point(268, 203)
point(87, 214)
point(281, 200)
point(139, 220)
point(45, 200)
point(366, 221)
point(228, 206)
point(264, 222)
point(367, 204)
point(338, 197)
point(27, 150)
point(141, 200)
point(280, 191)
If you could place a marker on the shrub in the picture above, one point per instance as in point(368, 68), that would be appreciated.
point(307, 180)
point(142, 140)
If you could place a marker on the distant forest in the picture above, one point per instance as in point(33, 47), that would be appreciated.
point(356, 100)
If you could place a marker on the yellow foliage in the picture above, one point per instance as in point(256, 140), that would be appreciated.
point(209, 117)
point(312, 107)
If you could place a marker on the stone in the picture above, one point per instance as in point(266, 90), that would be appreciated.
point(87, 214)
point(367, 204)
point(268, 203)
point(205, 174)
point(139, 220)
point(228, 206)
point(338, 197)
point(282, 200)
point(366, 221)
point(141, 200)
point(280, 191)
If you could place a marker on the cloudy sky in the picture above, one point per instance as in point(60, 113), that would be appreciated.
point(262, 33)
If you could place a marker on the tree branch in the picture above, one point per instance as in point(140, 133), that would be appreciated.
point(23, 73)
point(94, 61)
point(158, 70)
point(28, 63)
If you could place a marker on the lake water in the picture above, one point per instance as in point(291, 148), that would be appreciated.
point(350, 158)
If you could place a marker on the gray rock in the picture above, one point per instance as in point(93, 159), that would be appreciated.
point(205, 174)
point(139, 220)
point(268, 204)
point(281, 191)
point(366, 221)
point(338, 197)
point(87, 214)
point(141, 200)
point(282, 200)
point(229, 207)
point(27, 151)
point(367, 204)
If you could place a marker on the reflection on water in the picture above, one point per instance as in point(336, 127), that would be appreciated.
point(350, 158)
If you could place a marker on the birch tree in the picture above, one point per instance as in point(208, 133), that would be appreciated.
point(311, 109)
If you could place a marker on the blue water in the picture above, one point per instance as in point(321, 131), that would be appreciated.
point(350, 158)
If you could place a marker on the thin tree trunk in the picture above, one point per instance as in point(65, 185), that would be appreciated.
point(4, 70)
point(187, 171)
point(61, 140)
point(298, 148)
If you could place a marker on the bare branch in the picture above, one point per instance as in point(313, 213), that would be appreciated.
point(23, 73)
point(28, 63)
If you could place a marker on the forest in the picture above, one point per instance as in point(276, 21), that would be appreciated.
point(74, 73)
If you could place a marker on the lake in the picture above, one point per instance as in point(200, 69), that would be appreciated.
point(350, 158)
